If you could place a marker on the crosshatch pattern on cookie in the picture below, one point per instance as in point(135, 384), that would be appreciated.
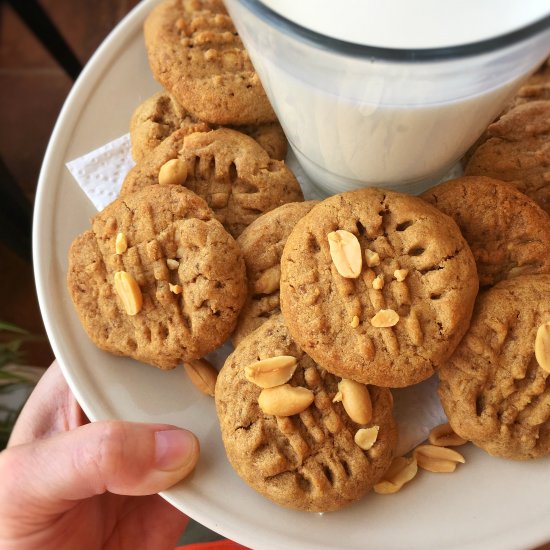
point(195, 52)
point(330, 315)
point(308, 461)
point(235, 176)
point(517, 150)
point(493, 390)
point(508, 233)
point(262, 244)
point(155, 119)
point(163, 226)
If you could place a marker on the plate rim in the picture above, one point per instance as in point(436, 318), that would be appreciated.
point(43, 257)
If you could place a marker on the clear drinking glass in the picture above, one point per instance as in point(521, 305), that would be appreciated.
point(357, 115)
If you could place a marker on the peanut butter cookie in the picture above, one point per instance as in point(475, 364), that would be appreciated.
point(509, 234)
point(228, 169)
point(377, 286)
point(518, 151)
point(307, 460)
point(161, 115)
point(262, 244)
point(157, 278)
point(196, 54)
point(495, 387)
point(536, 88)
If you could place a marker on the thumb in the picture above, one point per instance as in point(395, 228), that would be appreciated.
point(125, 458)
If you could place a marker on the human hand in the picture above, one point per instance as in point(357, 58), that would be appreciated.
point(67, 483)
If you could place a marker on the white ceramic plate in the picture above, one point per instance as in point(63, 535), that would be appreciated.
point(487, 504)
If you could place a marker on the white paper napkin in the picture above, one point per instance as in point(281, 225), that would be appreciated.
point(100, 174)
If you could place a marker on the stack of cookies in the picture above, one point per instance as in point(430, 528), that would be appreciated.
point(364, 291)
point(329, 304)
point(159, 276)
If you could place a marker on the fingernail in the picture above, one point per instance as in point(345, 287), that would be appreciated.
point(174, 449)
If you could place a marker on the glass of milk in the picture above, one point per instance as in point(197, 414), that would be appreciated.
point(389, 94)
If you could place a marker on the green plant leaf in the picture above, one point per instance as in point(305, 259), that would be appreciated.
point(10, 327)
point(12, 378)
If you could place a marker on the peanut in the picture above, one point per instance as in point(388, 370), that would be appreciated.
point(542, 346)
point(172, 264)
point(285, 400)
point(385, 318)
point(345, 252)
point(444, 436)
point(356, 400)
point(173, 172)
point(366, 437)
point(372, 258)
point(378, 282)
point(268, 281)
point(437, 459)
point(129, 292)
point(271, 372)
point(202, 374)
point(400, 274)
point(121, 243)
point(401, 471)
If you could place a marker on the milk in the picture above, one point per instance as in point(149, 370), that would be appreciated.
point(344, 144)
point(354, 120)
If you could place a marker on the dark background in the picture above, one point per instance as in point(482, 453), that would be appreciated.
point(33, 87)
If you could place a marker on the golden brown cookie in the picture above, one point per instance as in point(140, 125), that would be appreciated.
point(518, 151)
point(155, 119)
point(160, 115)
point(493, 389)
point(228, 169)
point(392, 300)
point(309, 460)
point(509, 234)
point(157, 277)
point(196, 54)
point(536, 88)
point(262, 244)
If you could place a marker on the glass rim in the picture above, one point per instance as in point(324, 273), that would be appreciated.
point(353, 49)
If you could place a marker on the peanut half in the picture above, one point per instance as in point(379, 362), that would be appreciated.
point(129, 292)
point(345, 252)
point(385, 318)
point(356, 400)
point(366, 437)
point(437, 459)
point(444, 436)
point(202, 374)
point(271, 372)
point(401, 471)
point(173, 172)
point(285, 400)
point(542, 346)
